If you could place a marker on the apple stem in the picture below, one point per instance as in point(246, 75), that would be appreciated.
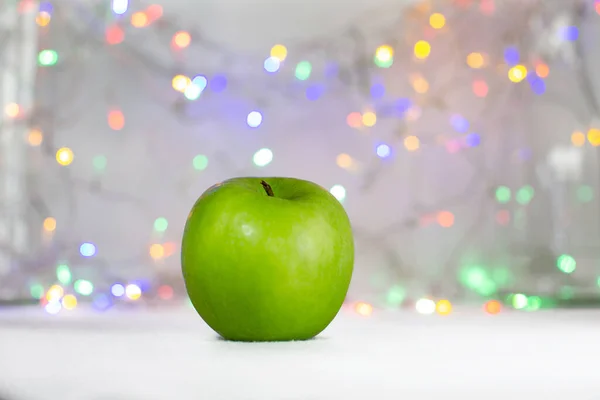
point(267, 188)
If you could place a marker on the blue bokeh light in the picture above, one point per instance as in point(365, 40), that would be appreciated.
point(459, 123)
point(87, 249)
point(254, 119)
point(117, 290)
point(314, 92)
point(377, 91)
point(473, 139)
point(537, 84)
point(383, 151)
point(218, 83)
point(571, 33)
point(403, 105)
point(200, 81)
point(272, 64)
point(511, 56)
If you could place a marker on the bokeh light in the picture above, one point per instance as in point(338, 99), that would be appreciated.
point(12, 110)
point(272, 64)
point(63, 274)
point(437, 21)
point(69, 302)
point(354, 120)
point(200, 162)
point(83, 287)
point(161, 224)
point(578, 139)
point(542, 70)
point(279, 52)
point(443, 307)
point(262, 157)
point(384, 56)
point(517, 73)
point(303, 70)
point(47, 58)
point(445, 219)
point(157, 251)
point(139, 19)
point(411, 143)
point(49, 224)
point(43, 18)
point(344, 161)
point(480, 88)
point(475, 60)
point(254, 119)
point(35, 137)
point(422, 49)
point(339, 192)
point(87, 249)
point(364, 309)
point(182, 39)
point(593, 136)
point(383, 150)
point(116, 120)
point(180, 82)
point(64, 156)
point(133, 292)
point(369, 119)
point(492, 307)
point(425, 306)
point(117, 290)
point(566, 263)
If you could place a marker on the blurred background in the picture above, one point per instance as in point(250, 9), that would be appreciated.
point(461, 136)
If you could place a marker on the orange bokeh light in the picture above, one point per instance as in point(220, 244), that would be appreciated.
point(364, 309)
point(542, 70)
point(492, 307)
point(445, 219)
point(116, 120)
point(354, 120)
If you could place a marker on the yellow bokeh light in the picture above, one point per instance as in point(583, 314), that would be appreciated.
point(437, 21)
point(157, 251)
point(182, 39)
point(64, 156)
point(364, 309)
point(55, 293)
point(369, 119)
point(517, 73)
point(411, 143)
point(139, 19)
point(181, 82)
point(49, 224)
point(443, 307)
point(422, 49)
point(420, 85)
point(578, 139)
point(593, 137)
point(475, 60)
point(35, 137)
point(344, 161)
point(384, 53)
point(69, 302)
point(12, 110)
point(43, 18)
point(279, 52)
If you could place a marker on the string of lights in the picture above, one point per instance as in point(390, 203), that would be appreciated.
point(360, 67)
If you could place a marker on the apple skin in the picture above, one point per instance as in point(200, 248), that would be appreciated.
point(267, 268)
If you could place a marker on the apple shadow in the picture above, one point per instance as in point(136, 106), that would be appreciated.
point(312, 339)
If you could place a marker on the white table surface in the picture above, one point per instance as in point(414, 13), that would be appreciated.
point(172, 355)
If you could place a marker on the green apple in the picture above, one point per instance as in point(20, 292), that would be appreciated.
point(267, 259)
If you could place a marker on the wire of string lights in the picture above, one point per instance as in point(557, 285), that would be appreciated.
point(382, 74)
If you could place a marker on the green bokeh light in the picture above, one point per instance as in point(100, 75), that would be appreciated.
point(200, 162)
point(585, 194)
point(519, 301)
point(99, 163)
point(36, 291)
point(47, 58)
point(384, 63)
point(161, 224)
point(503, 194)
point(566, 263)
point(396, 295)
point(83, 287)
point(525, 195)
point(477, 279)
point(303, 70)
point(63, 274)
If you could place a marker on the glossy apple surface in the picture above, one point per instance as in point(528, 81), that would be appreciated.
point(267, 259)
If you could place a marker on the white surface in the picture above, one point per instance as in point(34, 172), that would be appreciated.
point(173, 355)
